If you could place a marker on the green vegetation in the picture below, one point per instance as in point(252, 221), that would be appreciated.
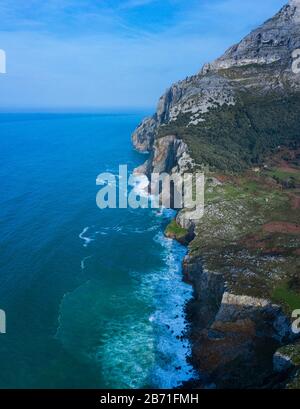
point(286, 295)
point(249, 233)
point(231, 239)
point(282, 174)
point(174, 230)
point(284, 177)
point(233, 138)
point(295, 383)
point(292, 351)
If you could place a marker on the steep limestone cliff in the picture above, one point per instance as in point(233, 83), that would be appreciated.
point(254, 75)
point(239, 114)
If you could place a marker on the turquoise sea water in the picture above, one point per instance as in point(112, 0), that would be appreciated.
point(93, 298)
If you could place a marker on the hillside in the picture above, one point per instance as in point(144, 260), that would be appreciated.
point(238, 120)
point(241, 106)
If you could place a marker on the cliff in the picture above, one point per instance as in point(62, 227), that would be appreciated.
point(238, 120)
point(235, 109)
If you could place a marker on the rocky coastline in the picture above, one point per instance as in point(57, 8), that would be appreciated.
point(243, 255)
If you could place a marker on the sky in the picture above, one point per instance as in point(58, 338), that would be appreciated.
point(112, 54)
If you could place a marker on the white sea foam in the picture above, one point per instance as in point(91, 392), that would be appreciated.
point(128, 350)
point(87, 240)
point(171, 367)
point(165, 290)
point(149, 352)
point(82, 263)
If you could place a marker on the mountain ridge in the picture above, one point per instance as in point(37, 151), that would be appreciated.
point(260, 66)
point(238, 120)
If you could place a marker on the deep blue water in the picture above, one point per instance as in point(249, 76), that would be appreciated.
point(93, 298)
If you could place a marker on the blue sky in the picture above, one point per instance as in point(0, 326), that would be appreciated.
point(97, 54)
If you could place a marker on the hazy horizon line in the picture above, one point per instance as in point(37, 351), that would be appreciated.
point(77, 110)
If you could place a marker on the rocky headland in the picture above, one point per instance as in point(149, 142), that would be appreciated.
point(238, 121)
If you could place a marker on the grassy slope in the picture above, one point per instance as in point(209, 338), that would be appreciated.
point(231, 236)
point(236, 137)
point(175, 231)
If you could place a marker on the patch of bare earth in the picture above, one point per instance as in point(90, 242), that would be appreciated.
point(255, 242)
point(295, 201)
point(285, 167)
point(282, 227)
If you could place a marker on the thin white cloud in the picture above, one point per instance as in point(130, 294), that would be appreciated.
point(118, 63)
point(130, 4)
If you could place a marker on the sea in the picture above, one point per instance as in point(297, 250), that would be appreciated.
point(93, 298)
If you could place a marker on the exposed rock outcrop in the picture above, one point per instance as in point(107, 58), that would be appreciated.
point(260, 64)
point(143, 136)
point(286, 361)
point(235, 327)
point(168, 155)
point(232, 335)
point(272, 42)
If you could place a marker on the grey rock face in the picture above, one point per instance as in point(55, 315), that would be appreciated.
point(274, 41)
point(166, 152)
point(261, 63)
point(287, 357)
point(168, 155)
point(143, 136)
point(195, 97)
point(281, 363)
point(230, 331)
point(271, 319)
